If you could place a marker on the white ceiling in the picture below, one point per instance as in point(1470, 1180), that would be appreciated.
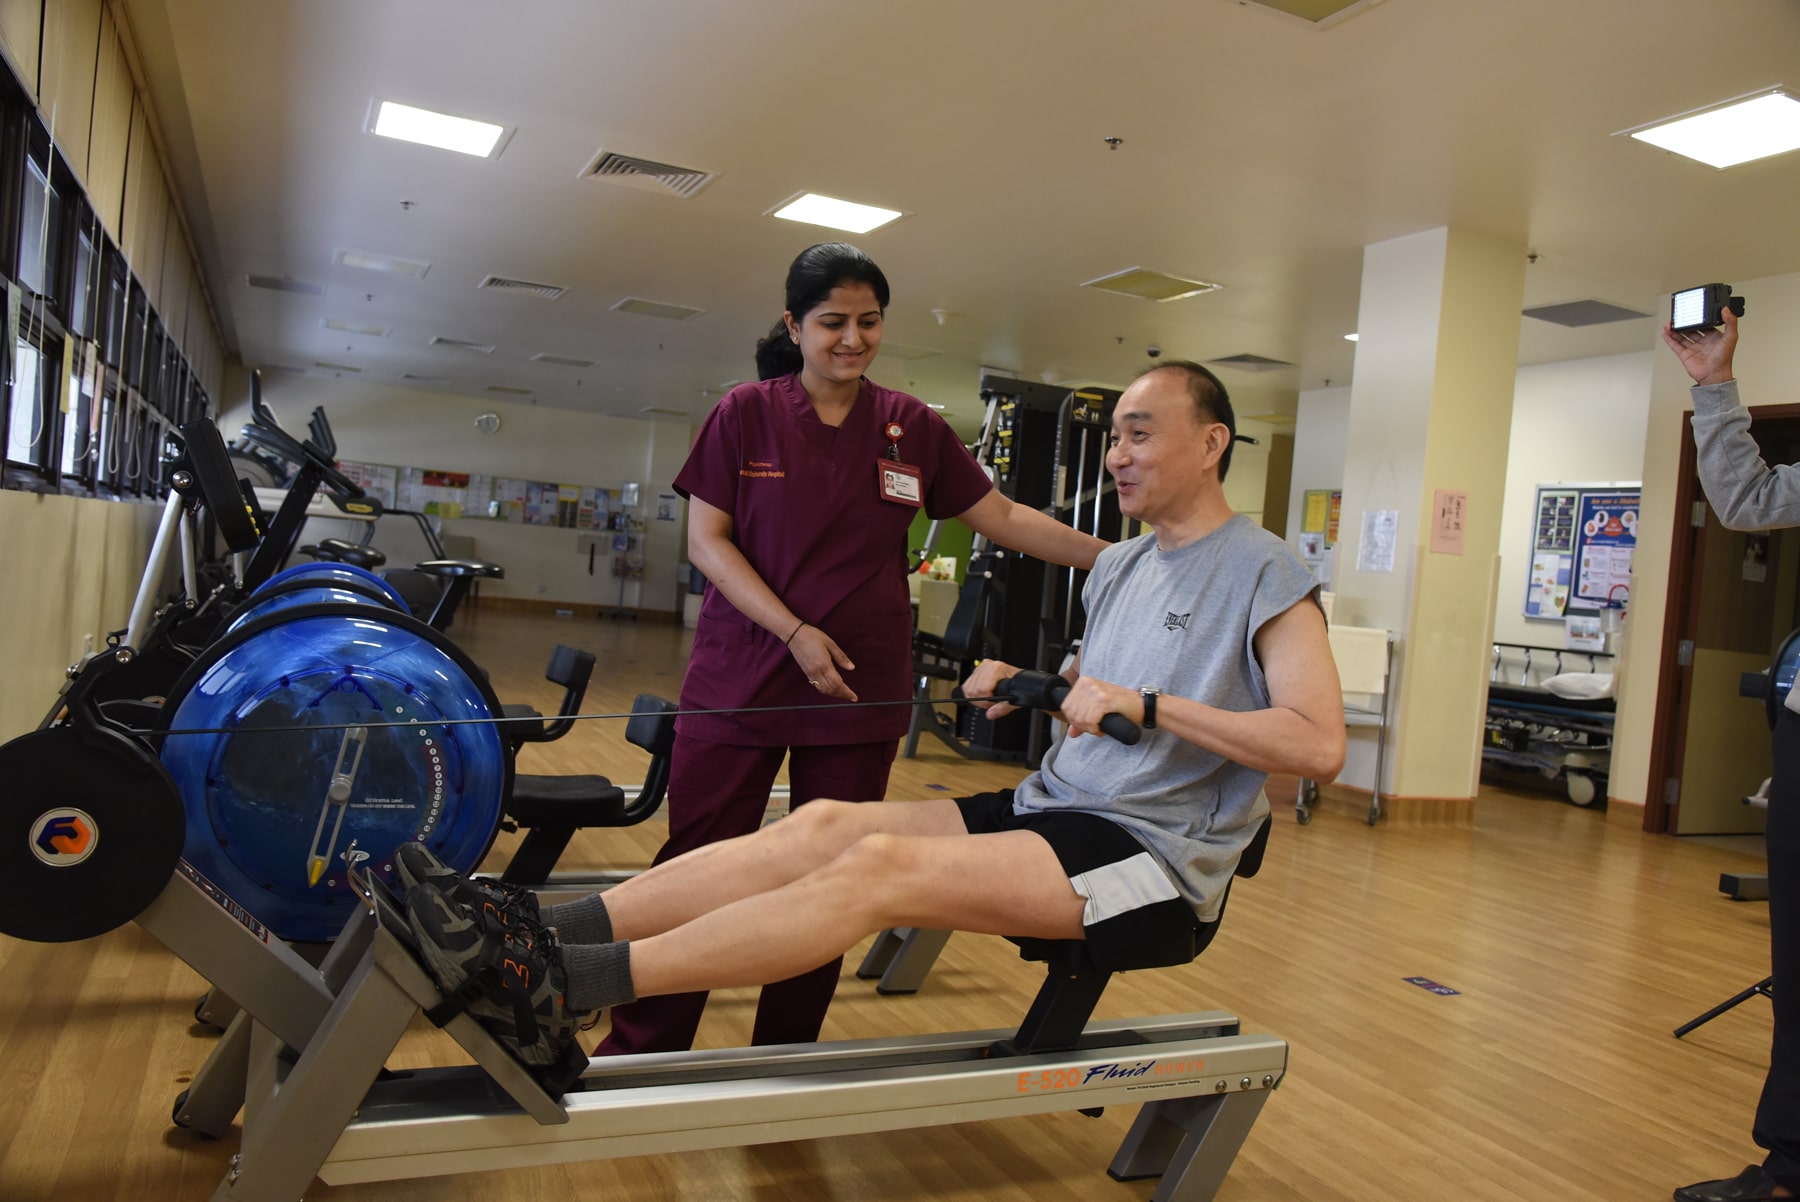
point(1259, 152)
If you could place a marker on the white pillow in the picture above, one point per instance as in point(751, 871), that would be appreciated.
point(1581, 686)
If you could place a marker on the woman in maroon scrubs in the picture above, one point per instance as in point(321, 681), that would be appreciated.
point(801, 489)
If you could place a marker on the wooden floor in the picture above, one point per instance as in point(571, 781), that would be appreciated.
point(1576, 943)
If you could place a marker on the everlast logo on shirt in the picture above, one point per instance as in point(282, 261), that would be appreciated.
point(762, 469)
point(1176, 621)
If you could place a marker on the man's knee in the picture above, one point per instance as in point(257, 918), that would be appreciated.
point(878, 867)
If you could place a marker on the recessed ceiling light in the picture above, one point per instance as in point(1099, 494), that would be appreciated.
point(425, 379)
point(479, 138)
point(392, 264)
point(323, 366)
point(1151, 285)
point(1349, 337)
point(930, 405)
point(847, 215)
point(351, 327)
point(502, 388)
point(562, 360)
point(663, 411)
point(1738, 131)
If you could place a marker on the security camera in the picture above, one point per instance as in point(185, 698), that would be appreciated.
point(1154, 351)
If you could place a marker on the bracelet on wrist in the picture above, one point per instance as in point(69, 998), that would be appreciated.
point(789, 641)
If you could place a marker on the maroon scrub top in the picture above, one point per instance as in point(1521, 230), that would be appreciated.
point(807, 513)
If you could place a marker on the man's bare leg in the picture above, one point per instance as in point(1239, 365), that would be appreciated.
point(703, 880)
point(1004, 884)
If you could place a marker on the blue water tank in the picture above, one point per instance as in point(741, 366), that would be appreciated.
point(324, 724)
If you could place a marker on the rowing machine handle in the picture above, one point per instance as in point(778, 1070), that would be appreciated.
point(1046, 690)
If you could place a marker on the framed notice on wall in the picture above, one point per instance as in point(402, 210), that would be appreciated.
point(1582, 542)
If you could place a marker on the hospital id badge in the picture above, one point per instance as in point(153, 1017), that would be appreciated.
point(900, 482)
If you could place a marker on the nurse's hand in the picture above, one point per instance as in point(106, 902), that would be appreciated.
point(822, 660)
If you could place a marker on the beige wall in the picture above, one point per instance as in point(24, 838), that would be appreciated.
point(85, 559)
point(1768, 368)
point(376, 423)
point(1577, 422)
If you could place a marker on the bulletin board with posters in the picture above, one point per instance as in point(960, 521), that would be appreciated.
point(1584, 537)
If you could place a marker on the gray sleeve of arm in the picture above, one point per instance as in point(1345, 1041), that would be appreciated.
point(1745, 492)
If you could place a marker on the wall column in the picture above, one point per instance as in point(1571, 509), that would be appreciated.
point(1430, 409)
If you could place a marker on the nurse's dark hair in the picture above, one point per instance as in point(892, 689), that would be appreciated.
point(1211, 402)
point(814, 272)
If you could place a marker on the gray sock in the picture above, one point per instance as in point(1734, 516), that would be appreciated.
point(583, 920)
point(599, 975)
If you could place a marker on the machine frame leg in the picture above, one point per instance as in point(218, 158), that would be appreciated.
point(1189, 1142)
point(215, 1095)
point(292, 1120)
point(902, 957)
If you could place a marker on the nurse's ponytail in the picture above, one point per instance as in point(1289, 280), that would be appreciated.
point(777, 354)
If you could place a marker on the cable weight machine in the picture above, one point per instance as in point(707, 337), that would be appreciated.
point(1045, 446)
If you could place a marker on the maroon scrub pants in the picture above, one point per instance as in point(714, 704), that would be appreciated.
point(720, 791)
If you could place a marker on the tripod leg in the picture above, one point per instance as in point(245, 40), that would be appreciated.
point(1761, 987)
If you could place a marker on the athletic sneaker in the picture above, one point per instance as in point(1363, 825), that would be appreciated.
point(510, 979)
point(511, 905)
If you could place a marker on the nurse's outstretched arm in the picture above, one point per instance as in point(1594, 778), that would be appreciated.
point(712, 550)
point(1002, 520)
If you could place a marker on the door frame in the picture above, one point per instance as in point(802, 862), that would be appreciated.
point(1668, 732)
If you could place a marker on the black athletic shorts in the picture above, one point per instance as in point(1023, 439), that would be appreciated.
point(1134, 916)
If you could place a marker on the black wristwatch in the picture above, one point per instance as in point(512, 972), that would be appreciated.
point(1149, 695)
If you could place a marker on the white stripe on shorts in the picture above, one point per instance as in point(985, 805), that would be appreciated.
point(1119, 888)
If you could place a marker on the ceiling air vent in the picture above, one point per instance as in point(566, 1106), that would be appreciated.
point(425, 379)
point(663, 411)
point(1146, 284)
point(1248, 362)
point(500, 283)
point(334, 366)
point(280, 284)
point(562, 361)
point(1318, 13)
point(505, 391)
point(463, 344)
point(1584, 313)
point(901, 350)
point(647, 175)
point(650, 308)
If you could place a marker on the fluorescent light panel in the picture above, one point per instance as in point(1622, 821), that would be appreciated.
point(1739, 131)
point(1350, 337)
point(391, 264)
point(461, 134)
point(846, 215)
point(1152, 285)
point(351, 327)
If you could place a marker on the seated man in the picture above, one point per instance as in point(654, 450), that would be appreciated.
point(1207, 632)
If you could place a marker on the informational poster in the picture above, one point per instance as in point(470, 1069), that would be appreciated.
point(377, 480)
point(1448, 511)
point(1380, 528)
point(1547, 593)
point(1582, 542)
point(665, 506)
point(1336, 511)
point(1605, 540)
point(1316, 512)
